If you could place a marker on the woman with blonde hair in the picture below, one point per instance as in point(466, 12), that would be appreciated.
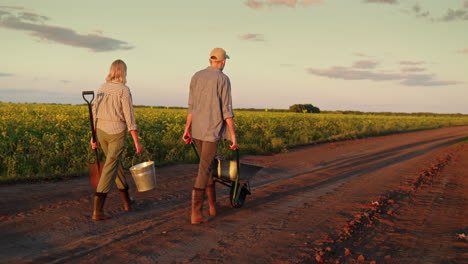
point(113, 114)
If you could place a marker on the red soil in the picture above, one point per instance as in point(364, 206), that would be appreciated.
point(392, 199)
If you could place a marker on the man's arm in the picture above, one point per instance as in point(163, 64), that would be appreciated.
point(230, 125)
point(187, 137)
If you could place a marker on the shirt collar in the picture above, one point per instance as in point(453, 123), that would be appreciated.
point(211, 68)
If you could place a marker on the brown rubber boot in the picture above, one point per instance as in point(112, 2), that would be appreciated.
point(211, 195)
point(98, 213)
point(127, 200)
point(197, 206)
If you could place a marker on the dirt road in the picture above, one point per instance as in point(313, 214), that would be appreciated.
point(392, 199)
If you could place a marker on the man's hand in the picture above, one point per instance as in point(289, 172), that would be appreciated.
point(187, 138)
point(233, 146)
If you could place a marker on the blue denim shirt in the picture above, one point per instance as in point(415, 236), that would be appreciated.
point(210, 103)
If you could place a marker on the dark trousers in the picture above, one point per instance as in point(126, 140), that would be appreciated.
point(207, 151)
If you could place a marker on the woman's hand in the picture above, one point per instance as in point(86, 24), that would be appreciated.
point(138, 147)
point(94, 145)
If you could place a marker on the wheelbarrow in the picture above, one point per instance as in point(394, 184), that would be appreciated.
point(228, 173)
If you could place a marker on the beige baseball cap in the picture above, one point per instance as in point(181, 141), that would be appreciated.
point(218, 54)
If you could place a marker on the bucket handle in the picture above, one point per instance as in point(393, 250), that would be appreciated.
point(146, 155)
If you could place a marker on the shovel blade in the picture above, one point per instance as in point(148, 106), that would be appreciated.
point(95, 170)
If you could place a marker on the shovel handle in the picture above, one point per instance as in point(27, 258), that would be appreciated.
point(93, 132)
point(198, 155)
point(195, 149)
point(84, 93)
point(91, 119)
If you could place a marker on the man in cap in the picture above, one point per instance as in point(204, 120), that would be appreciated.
point(209, 118)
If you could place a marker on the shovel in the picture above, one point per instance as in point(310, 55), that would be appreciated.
point(95, 169)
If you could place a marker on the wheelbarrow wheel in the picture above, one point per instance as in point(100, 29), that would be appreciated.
point(240, 201)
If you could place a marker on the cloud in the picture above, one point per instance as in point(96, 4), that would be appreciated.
point(32, 17)
point(361, 54)
point(417, 11)
point(405, 62)
point(258, 4)
point(412, 69)
point(17, 91)
point(2, 74)
point(408, 79)
point(425, 80)
point(365, 64)
point(311, 2)
point(12, 7)
point(382, 1)
point(450, 16)
point(455, 15)
point(34, 24)
point(38, 96)
point(346, 73)
point(65, 81)
point(252, 37)
point(254, 4)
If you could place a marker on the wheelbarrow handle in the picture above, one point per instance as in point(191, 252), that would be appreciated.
point(198, 155)
point(195, 149)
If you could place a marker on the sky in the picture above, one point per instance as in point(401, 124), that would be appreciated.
point(363, 55)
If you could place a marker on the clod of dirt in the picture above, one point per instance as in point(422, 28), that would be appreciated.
point(318, 258)
point(347, 252)
point(462, 237)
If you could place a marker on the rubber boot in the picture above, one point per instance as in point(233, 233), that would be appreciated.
point(127, 200)
point(197, 206)
point(98, 213)
point(211, 195)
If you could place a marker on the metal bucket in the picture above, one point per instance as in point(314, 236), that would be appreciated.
point(144, 175)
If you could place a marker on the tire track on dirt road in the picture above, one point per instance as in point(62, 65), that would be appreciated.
point(272, 198)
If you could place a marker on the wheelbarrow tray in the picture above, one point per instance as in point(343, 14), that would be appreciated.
point(236, 178)
point(226, 171)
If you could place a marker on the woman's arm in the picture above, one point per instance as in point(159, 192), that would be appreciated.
point(138, 147)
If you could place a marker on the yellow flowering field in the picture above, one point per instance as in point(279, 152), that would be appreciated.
point(43, 141)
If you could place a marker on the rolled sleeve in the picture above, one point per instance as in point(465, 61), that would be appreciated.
point(127, 107)
point(190, 100)
point(226, 99)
